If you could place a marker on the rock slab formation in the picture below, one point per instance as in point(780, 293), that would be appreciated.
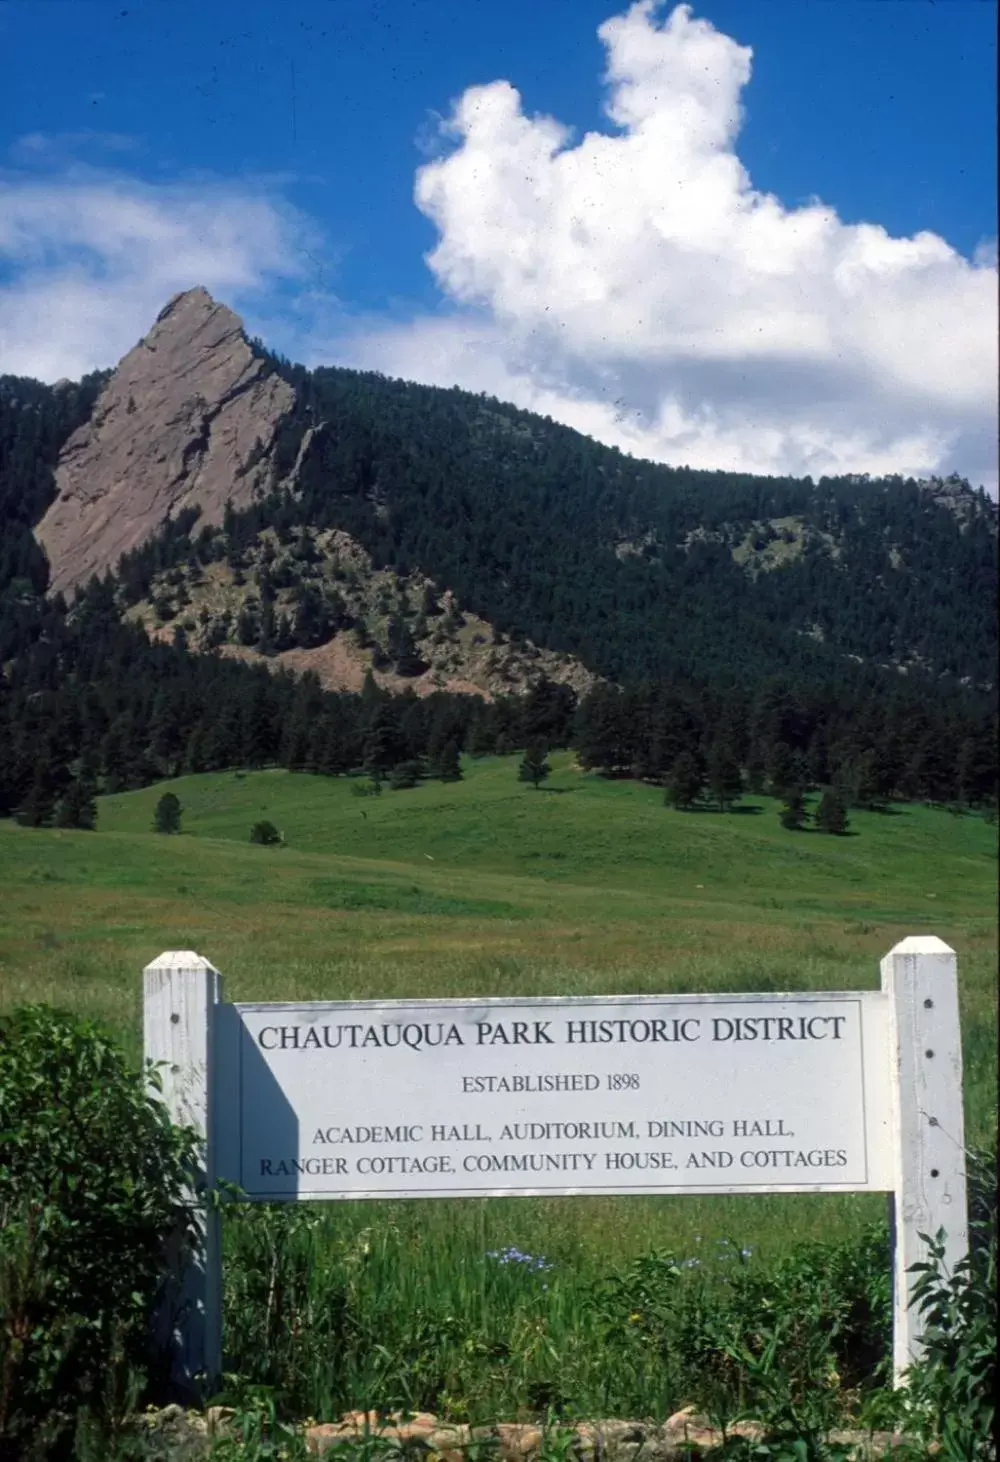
point(187, 420)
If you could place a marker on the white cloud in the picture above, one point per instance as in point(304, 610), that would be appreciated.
point(88, 258)
point(636, 285)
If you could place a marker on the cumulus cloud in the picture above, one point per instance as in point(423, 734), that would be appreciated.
point(88, 258)
point(634, 283)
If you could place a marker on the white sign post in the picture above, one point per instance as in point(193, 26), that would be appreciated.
point(920, 978)
point(181, 995)
point(853, 1091)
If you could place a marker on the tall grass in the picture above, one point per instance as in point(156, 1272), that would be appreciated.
point(400, 1309)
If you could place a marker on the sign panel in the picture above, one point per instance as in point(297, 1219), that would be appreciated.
point(641, 1094)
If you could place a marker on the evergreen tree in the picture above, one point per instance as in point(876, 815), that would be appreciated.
point(482, 739)
point(686, 782)
point(383, 745)
point(401, 648)
point(793, 811)
point(405, 775)
point(547, 713)
point(725, 780)
point(446, 766)
point(167, 817)
point(861, 776)
point(785, 769)
point(248, 623)
point(534, 766)
point(37, 808)
point(831, 814)
point(77, 806)
point(976, 770)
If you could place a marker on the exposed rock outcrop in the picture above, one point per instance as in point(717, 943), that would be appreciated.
point(187, 420)
point(216, 605)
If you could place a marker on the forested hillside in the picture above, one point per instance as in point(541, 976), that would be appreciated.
point(761, 633)
point(640, 569)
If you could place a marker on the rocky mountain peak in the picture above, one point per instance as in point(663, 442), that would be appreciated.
point(187, 419)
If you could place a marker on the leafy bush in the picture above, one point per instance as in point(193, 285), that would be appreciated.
point(372, 787)
point(781, 1342)
point(950, 1393)
point(405, 775)
point(265, 833)
point(91, 1171)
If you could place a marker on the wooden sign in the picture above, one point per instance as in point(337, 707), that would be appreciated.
point(852, 1091)
point(463, 1098)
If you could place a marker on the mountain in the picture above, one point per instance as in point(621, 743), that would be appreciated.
point(634, 568)
point(639, 569)
point(243, 538)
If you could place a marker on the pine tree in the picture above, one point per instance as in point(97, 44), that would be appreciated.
point(725, 780)
point(383, 746)
point(686, 782)
point(793, 812)
point(862, 777)
point(482, 739)
point(405, 775)
point(401, 649)
point(547, 712)
point(167, 818)
point(831, 814)
point(446, 766)
point(786, 769)
point(248, 623)
point(38, 807)
point(77, 806)
point(534, 766)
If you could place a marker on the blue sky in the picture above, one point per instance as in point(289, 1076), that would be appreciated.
point(679, 290)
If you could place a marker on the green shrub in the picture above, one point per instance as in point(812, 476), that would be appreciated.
point(783, 1342)
point(167, 817)
point(265, 833)
point(950, 1392)
point(90, 1176)
point(405, 775)
point(372, 787)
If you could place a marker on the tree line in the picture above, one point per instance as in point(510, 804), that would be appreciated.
point(98, 707)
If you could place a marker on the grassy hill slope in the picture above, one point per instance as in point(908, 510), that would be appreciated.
point(487, 886)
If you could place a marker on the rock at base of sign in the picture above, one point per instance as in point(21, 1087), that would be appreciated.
point(595, 1441)
point(187, 1436)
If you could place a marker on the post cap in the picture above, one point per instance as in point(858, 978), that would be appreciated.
point(181, 959)
point(921, 944)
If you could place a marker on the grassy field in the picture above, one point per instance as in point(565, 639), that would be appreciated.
point(488, 886)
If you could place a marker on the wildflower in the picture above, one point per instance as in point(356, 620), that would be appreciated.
point(691, 1264)
point(745, 1253)
point(512, 1255)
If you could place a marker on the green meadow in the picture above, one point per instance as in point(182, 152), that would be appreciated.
point(490, 887)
